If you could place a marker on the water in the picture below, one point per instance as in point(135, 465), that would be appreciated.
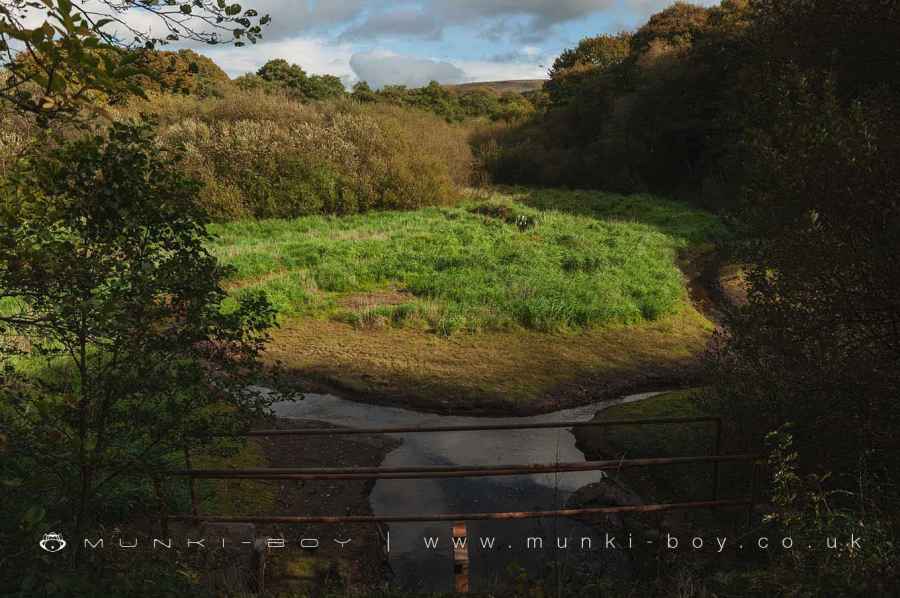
point(416, 567)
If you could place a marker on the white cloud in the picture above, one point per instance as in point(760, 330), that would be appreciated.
point(315, 55)
point(380, 68)
point(402, 22)
point(501, 71)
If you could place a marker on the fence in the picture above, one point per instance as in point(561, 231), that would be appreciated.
point(461, 558)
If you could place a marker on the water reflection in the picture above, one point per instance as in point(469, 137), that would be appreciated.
point(417, 567)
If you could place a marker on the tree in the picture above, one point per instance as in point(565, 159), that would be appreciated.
point(122, 347)
point(280, 72)
point(678, 24)
point(513, 107)
point(182, 72)
point(323, 87)
point(363, 93)
point(592, 56)
point(478, 102)
point(82, 49)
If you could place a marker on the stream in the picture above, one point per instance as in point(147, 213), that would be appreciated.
point(420, 568)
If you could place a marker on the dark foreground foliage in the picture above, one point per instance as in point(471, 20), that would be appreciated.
point(117, 353)
point(783, 115)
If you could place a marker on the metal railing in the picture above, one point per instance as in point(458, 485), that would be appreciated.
point(465, 471)
point(488, 427)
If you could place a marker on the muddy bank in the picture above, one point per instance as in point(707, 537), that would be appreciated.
point(360, 562)
point(715, 286)
point(491, 373)
point(589, 389)
point(517, 372)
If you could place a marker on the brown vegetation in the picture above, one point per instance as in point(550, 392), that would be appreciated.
point(493, 372)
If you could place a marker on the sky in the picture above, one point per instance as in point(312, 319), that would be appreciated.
point(411, 42)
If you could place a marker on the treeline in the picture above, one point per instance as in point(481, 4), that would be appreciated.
point(455, 105)
point(188, 73)
point(279, 76)
point(652, 109)
point(668, 107)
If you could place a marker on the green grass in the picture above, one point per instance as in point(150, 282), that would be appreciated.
point(671, 482)
point(493, 264)
point(671, 217)
point(229, 497)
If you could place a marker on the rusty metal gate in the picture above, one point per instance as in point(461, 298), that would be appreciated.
point(461, 558)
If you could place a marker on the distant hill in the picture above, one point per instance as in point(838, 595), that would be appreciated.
point(499, 87)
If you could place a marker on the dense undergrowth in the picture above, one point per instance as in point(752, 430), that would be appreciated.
point(266, 155)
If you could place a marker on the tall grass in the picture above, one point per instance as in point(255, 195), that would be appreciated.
point(264, 155)
point(484, 265)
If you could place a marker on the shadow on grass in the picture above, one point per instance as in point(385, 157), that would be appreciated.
point(674, 218)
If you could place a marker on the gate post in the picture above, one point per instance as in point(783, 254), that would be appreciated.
point(163, 513)
point(717, 450)
point(461, 557)
point(195, 509)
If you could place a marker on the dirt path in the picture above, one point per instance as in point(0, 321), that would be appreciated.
point(714, 286)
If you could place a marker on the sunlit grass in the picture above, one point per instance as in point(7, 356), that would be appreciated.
point(491, 264)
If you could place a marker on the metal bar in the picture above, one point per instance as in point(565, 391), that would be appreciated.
point(717, 450)
point(312, 519)
point(195, 509)
point(753, 472)
point(399, 473)
point(163, 513)
point(474, 428)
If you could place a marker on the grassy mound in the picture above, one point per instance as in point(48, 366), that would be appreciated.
point(682, 482)
point(493, 264)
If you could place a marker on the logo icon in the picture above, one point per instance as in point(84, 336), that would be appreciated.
point(52, 542)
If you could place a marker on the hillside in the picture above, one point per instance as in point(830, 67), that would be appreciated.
point(500, 87)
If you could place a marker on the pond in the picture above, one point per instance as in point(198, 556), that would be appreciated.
point(496, 548)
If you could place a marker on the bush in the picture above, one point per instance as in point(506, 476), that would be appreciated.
point(265, 155)
point(123, 353)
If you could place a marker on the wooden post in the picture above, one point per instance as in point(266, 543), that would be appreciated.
point(461, 557)
point(258, 567)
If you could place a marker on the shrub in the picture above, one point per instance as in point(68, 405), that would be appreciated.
point(126, 352)
point(264, 155)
